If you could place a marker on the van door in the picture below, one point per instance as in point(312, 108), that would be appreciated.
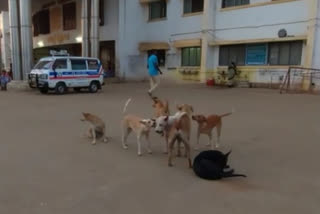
point(62, 72)
point(93, 68)
point(79, 67)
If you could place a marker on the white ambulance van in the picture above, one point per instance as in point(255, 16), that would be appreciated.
point(60, 72)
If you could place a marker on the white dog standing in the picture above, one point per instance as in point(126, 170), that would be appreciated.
point(138, 125)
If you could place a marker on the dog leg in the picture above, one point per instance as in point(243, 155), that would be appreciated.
point(211, 143)
point(165, 151)
point(187, 148)
point(104, 137)
point(139, 144)
point(88, 134)
point(170, 151)
point(148, 144)
point(93, 132)
point(219, 126)
point(125, 134)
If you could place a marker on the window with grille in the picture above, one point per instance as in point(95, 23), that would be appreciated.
point(232, 53)
point(285, 53)
point(191, 56)
point(69, 16)
point(157, 10)
point(233, 3)
point(41, 22)
point(278, 53)
point(192, 6)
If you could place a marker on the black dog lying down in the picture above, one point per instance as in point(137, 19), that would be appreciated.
point(212, 165)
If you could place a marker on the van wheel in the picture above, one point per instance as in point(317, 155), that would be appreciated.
point(60, 88)
point(94, 86)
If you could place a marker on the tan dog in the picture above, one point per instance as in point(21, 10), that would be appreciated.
point(188, 109)
point(97, 127)
point(164, 131)
point(178, 129)
point(138, 125)
point(206, 125)
point(161, 108)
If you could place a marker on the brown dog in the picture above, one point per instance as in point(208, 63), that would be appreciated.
point(97, 127)
point(206, 125)
point(161, 108)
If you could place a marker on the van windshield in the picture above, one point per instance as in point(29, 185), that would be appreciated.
point(43, 65)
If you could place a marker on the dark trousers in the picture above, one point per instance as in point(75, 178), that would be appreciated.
point(3, 87)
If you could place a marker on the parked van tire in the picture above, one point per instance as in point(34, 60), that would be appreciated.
point(60, 88)
point(94, 87)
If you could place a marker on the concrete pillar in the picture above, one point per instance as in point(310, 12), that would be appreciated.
point(85, 28)
point(310, 46)
point(121, 42)
point(204, 39)
point(94, 35)
point(26, 37)
point(15, 40)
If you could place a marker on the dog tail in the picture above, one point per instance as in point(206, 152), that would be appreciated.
point(126, 105)
point(228, 114)
point(166, 106)
point(235, 175)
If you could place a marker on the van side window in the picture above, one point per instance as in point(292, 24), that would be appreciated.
point(93, 64)
point(78, 64)
point(60, 64)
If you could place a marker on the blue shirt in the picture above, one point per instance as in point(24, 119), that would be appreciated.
point(4, 79)
point(152, 65)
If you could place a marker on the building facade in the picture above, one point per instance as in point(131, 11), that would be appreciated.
point(195, 39)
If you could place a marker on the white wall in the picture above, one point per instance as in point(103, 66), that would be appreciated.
point(316, 52)
point(262, 21)
point(259, 22)
point(107, 32)
point(5, 40)
point(135, 28)
point(69, 37)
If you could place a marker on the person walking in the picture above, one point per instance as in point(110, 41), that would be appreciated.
point(4, 80)
point(154, 71)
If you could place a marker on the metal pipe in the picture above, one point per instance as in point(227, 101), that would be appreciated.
point(15, 40)
point(94, 37)
point(26, 37)
point(85, 28)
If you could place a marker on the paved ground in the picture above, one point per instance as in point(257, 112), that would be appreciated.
point(47, 167)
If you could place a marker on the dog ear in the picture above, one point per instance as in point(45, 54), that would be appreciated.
point(166, 119)
point(154, 99)
point(191, 109)
point(179, 107)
